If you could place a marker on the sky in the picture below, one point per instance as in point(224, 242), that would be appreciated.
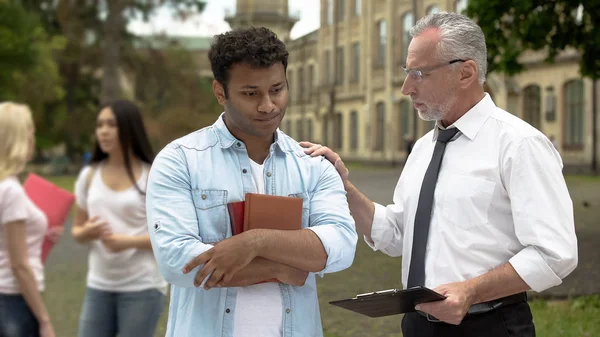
point(212, 22)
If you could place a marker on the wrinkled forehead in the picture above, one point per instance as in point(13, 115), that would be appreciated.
point(422, 51)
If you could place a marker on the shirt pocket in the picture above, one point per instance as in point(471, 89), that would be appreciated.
point(211, 211)
point(305, 207)
point(466, 200)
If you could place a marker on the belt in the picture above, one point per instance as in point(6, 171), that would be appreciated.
point(481, 308)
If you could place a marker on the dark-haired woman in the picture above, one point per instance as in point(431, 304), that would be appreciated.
point(125, 291)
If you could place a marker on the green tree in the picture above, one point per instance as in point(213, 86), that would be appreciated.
point(96, 40)
point(28, 72)
point(512, 27)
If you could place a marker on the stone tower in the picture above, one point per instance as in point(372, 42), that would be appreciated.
point(273, 14)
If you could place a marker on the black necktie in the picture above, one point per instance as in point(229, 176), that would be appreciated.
point(416, 273)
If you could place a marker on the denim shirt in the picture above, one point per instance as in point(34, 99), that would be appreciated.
point(191, 182)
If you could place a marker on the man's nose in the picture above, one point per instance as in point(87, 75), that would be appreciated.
point(266, 104)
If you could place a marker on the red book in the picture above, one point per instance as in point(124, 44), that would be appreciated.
point(265, 211)
point(236, 214)
point(52, 200)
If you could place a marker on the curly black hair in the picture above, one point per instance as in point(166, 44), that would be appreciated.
point(258, 47)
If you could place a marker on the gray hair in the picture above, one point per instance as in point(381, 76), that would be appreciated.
point(460, 38)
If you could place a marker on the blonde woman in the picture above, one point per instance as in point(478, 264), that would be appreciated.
point(22, 230)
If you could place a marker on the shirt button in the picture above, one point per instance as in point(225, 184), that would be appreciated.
point(268, 174)
point(287, 311)
point(239, 144)
point(228, 311)
point(244, 171)
point(203, 196)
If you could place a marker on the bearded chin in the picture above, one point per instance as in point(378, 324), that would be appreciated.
point(430, 115)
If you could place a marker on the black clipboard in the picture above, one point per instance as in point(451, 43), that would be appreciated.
point(389, 302)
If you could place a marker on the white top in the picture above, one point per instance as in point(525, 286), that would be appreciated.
point(16, 206)
point(259, 308)
point(125, 212)
point(500, 197)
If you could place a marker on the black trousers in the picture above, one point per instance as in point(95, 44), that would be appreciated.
point(509, 321)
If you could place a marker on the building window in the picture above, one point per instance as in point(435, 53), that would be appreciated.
point(290, 78)
point(353, 130)
point(380, 131)
point(357, 7)
point(329, 12)
point(405, 122)
point(461, 5)
point(338, 131)
point(325, 130)
point(310, 80)
point(299, 130)
point(574, 114)
point(381, 51)
point(532, 107)
point(327, 70)
point(356, 62)
point(301, 92)
point(408, 20)
point(339, 66)
point(341, 8)
point(309, 130)
point(433, 9)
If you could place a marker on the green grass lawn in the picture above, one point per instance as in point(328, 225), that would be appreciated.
point(65, 278)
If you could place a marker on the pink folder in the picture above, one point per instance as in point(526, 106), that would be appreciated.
point(55, 202)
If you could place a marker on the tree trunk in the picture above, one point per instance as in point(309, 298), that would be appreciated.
point(113, 32)
point(594, 126)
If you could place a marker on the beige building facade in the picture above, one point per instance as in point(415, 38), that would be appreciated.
point(345, 81)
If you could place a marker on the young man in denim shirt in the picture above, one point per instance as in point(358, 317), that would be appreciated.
point(195, 177)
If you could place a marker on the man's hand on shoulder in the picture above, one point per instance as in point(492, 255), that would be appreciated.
point(315, 150)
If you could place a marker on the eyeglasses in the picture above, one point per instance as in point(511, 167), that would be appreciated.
point(418, 75)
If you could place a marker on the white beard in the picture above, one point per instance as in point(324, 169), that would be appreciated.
point(438, 112)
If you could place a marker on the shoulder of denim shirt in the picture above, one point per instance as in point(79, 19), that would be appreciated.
point(289, 145)
point(199, 140)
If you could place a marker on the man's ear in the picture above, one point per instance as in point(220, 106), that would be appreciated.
point(219, 92)
point(468, 74)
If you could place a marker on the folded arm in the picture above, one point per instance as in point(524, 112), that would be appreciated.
point(329, 244)
point(172, 221)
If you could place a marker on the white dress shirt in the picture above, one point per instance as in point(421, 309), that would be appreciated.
point(500, 197)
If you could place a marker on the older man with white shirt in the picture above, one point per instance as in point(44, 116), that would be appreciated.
point(481, 212)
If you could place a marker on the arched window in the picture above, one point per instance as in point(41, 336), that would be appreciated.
point(380, 130)
point(532, 108)
point(574, 114)
point(309, 130)
point(405, 125)
point(299, 129)
point(353, 130)
point(338, 130)
point(325, 131)
point(382, 46)
point(408, 20)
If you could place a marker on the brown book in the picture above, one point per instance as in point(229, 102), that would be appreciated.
point(272, 212)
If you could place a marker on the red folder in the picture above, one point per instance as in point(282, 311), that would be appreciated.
point(52, 200)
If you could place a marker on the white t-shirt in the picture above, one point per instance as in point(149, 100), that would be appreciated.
point(125, 212)
point(258, 308)
point(16, 206)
